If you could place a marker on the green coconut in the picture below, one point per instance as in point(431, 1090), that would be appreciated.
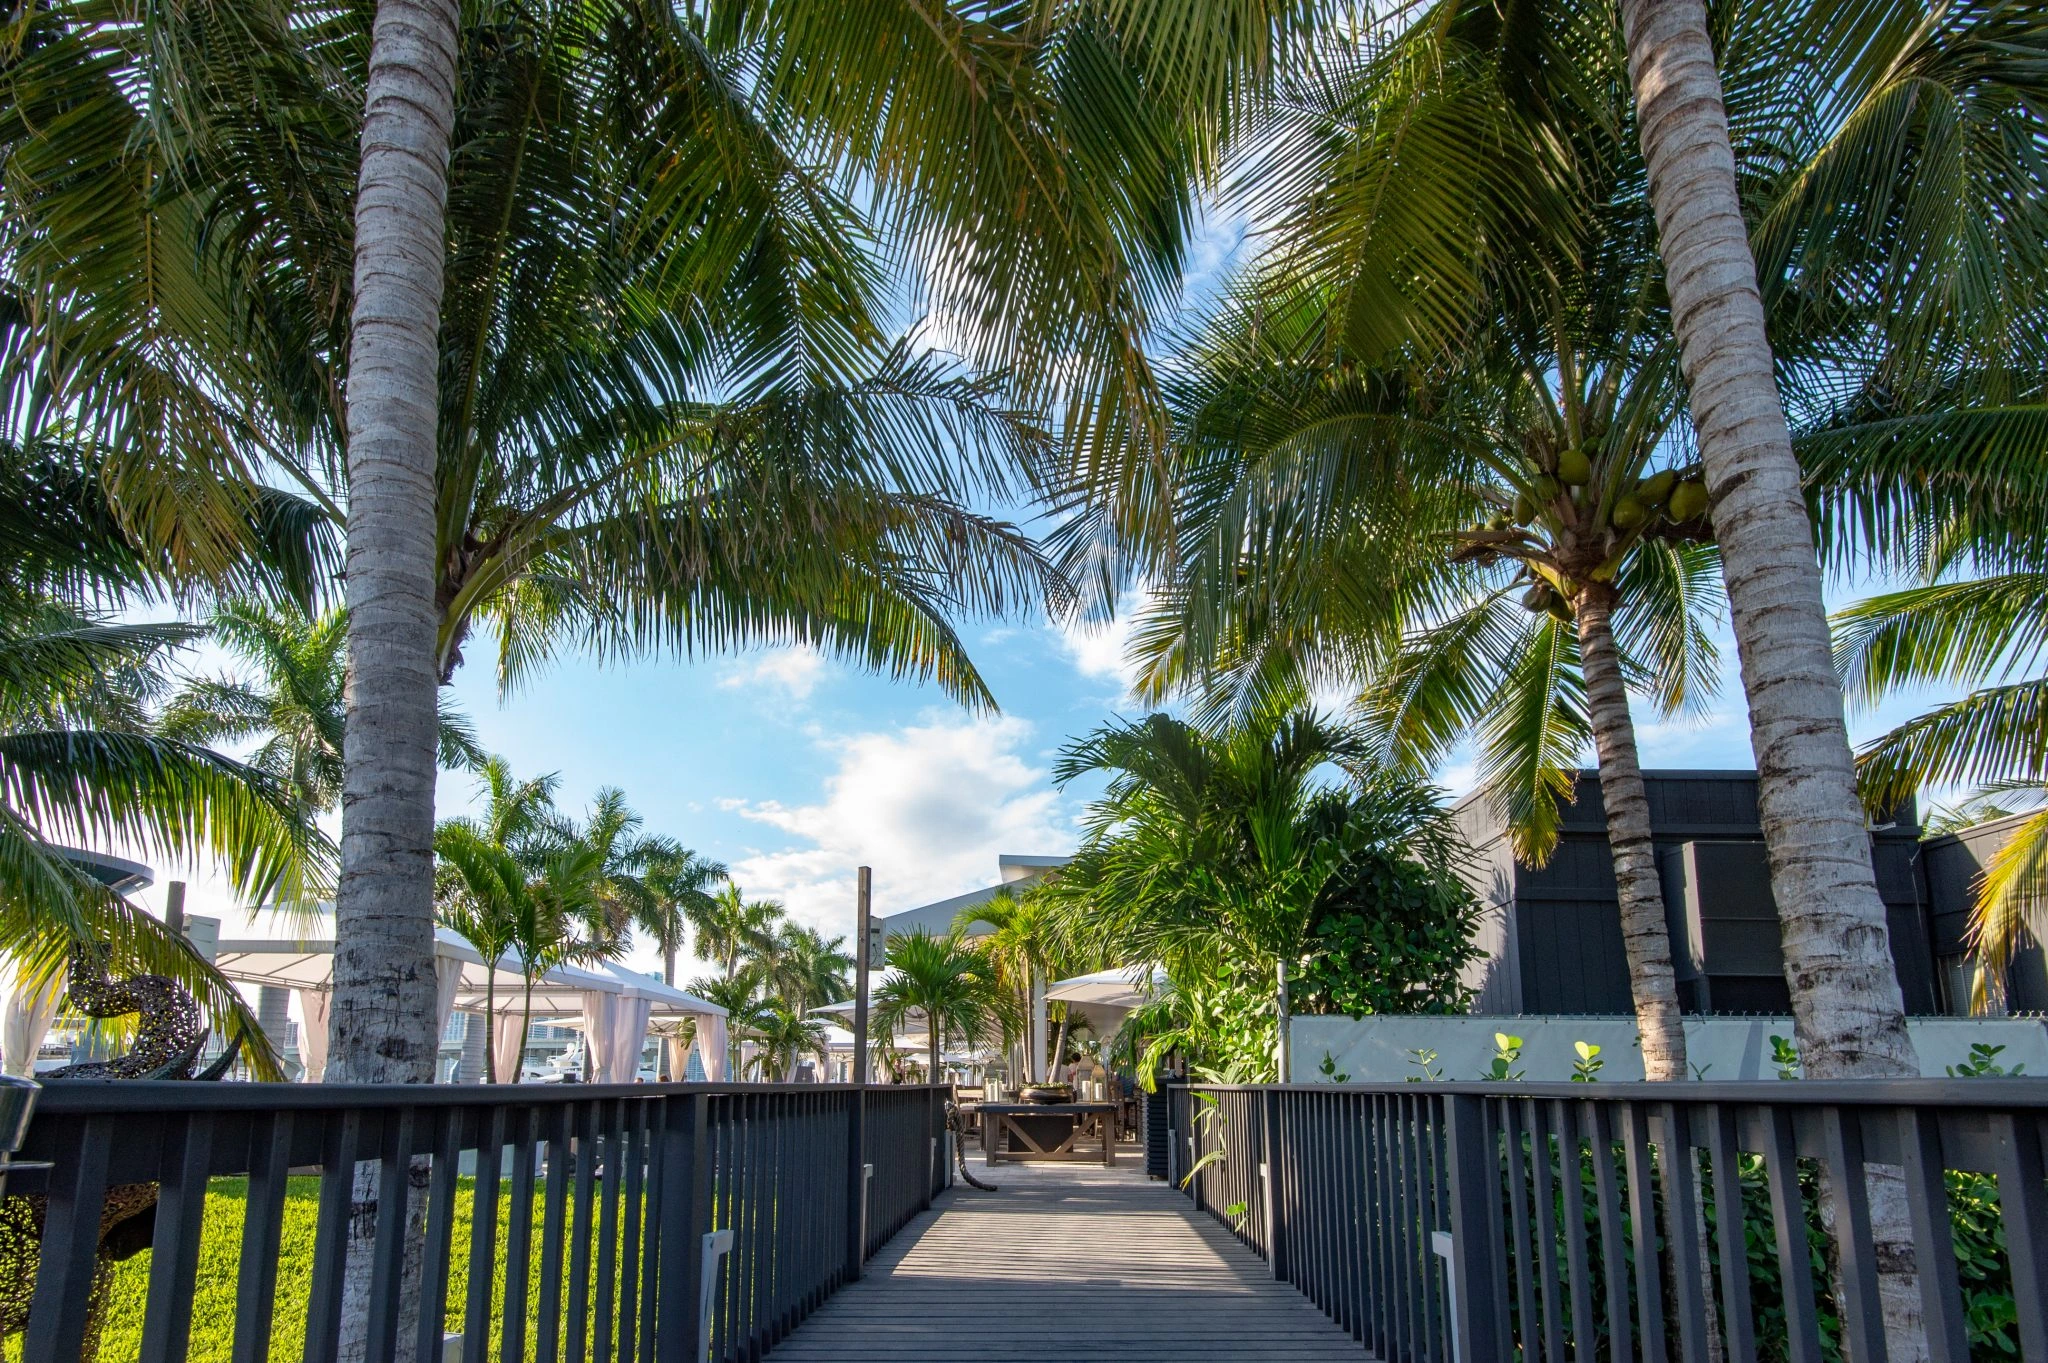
point(1655, 488)
point(1688, 501)
point(1525, 510)
point(1538, 597)
point(1629, 512)
point(1559, 608)
point(1544, 489)
point(1573, 467)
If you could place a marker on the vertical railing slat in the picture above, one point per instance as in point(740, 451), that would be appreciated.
point(2023, 1202)
point(174, 1250)
point(449, 1129)
point(331, 1235)
point(1941, 1296)
point(270, 1160)
point(1725, 1151)
point(1849, 1191)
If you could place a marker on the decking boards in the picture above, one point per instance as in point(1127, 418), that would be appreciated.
point(1066, 1262)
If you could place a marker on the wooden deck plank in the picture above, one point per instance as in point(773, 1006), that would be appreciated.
point(1066, 1261)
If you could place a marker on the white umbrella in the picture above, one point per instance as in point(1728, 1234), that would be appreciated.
point(1127, 987)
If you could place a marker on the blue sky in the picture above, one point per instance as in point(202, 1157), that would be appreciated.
point(794, 769)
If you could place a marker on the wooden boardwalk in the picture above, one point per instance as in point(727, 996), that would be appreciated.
point(1066, 1262)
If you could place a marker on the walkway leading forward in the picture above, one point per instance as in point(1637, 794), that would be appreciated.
point(1065, 1262)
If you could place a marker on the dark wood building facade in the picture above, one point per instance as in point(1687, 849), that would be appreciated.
point(1553, 938)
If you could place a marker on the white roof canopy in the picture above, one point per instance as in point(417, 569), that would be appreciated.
point(1129, 986)
point(308, 963)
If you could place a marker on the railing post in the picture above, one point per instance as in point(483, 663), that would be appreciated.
point(856, 1182)
point(685, 1173)
point(1269, 1179)
point(1475, 1188)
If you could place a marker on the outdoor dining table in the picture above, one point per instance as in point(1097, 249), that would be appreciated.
point(1046, 1131)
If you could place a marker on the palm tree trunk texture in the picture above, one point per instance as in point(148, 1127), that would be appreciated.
point(384, 927)
point(1645, 934)
point(1848, 1012)
point(1845, 991)
point(384, 988)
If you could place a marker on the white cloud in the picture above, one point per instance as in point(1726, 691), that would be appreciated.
point(795, 672)
point(929, 806)
point(1100, 649)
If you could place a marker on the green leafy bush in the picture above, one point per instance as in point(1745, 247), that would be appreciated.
point(1388, 935)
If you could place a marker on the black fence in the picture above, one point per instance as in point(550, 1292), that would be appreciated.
point(653, 1224)
point(1697, 1221)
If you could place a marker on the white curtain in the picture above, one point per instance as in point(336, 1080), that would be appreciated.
point(506, 1055)
point(597, 1025)
point(313, 1032)
point(447, 976)
point(711, 1044)
point(30, 1010)
point(617, 1048)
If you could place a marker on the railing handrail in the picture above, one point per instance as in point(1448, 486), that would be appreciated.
point(2024, 1091)
point(80, 1096)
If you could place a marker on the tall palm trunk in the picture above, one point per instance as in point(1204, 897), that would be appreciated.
point(1848, 1012)
point(1845, 991)
point(384, 926)
point(491, 1012)
point(1645, 934)
point(384, 988)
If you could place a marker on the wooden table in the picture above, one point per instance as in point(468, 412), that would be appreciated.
point(1046, 1131)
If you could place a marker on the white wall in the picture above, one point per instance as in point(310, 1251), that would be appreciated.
point(1378, 1049)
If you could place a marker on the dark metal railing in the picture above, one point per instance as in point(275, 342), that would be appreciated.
point(650, 1223)
point(1480, 1221)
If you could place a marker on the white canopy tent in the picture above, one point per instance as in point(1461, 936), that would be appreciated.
point(614, 1004)
point(1126, 987)
point(616, 1025)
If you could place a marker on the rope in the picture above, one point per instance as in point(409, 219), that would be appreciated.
point(954, 1124)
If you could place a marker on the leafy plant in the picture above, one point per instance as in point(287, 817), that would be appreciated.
point(1389, 935)
point(1507, 1053)
point(1586, 1069)
point(1328, 1069)
point(1424, 1059)
point(1786, 1057)
point(1983, 1064)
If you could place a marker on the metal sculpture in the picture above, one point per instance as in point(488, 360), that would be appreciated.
point(169, 1034)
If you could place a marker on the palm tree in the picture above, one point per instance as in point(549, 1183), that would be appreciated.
point(293, 698)
point(1527, 629)
point(805, 968)
point(382, 1019)
point(476, 886)
point(1209, 851)
point(1385, 261)
point(679, 891)
point(577, 487)
point(1024, 947)
point(946, 985)
point(785, 1035)
point(739, 994)
point(1846, 1002)
point(732, 929)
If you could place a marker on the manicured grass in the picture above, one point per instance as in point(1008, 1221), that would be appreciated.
point(220, 1257)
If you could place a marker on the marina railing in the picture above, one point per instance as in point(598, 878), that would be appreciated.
point(1471, 1222)
point(645, 1223)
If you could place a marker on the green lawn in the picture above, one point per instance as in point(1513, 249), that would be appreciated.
point(220, 1255)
